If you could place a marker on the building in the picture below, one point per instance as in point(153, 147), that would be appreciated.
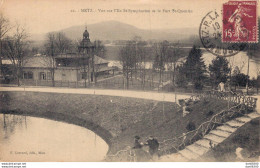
point(69, 67)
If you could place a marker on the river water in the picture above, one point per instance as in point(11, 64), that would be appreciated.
point(37, 139)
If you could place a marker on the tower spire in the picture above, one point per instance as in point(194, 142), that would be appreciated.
point(86, 34)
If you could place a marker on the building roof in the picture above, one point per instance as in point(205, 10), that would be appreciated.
point(105, 69)
point(38, 62)
point(99, 60)
point(43, 61)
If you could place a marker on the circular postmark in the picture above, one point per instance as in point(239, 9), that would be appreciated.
point(211, 36)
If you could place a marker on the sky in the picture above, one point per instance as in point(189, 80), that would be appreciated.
point(41, 16)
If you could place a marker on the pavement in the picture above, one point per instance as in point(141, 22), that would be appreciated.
point(168, 97)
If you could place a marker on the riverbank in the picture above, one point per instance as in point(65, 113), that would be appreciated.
point(116, 119)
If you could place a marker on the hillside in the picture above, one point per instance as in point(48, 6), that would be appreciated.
point(114, 30)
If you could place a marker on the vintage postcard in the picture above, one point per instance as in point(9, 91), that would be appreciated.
point(129, 81)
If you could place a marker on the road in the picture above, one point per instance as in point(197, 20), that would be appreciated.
point(169, 97)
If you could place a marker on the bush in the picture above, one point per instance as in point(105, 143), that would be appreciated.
point(198, 86)
point(190, 126)
point(254, 122)
point(188, 109)
point(181, 101)
point(210, 113)
point(205, 101)
point(195, 102)
point(188, 102)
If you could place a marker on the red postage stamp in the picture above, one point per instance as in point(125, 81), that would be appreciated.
point(240, 22)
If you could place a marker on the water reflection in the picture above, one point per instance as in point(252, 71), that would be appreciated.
point(35, 139)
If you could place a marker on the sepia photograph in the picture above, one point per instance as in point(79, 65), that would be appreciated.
point(129, 81)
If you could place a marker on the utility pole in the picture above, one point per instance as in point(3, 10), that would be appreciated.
point(247, 80)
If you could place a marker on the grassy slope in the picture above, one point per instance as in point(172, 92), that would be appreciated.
point(122, 117)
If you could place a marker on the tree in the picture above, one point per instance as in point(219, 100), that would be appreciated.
point(139, 59)
point(100, 51)
point(236, 68)
point(181, 80)
point(126, 55)
point(239, 79)
point(62, 43)
point(16, 50)
point(219, 70)
point(51, 50)
point(5, 27)
point(142, 58)
point(258, 78)
point(174, 54)
point(161, 55)
point(55, 43)
point(195, 68)
point(135, 58)
point(99, 48)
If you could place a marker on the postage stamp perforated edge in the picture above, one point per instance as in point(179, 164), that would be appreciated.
point(257, 28)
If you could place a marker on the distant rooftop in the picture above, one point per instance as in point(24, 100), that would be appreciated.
point(97, 59)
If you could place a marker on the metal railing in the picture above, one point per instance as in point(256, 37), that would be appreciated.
point(230, 96)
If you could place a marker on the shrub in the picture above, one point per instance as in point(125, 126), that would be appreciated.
point(195, 102)
point(181, 101)
point(188, 109)
point(210, 113)
point(190, 126)
point(254, 122)
point(198, 85)
point(205, 101)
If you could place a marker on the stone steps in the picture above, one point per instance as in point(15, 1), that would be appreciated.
point(173, 157)
point(188, 154)
point(253, 115)
point(214, 138)
point(226, 128)
point(221, 133)
point(197, 149)
point(204, 143)
point(202, 146)
point(234, 123)
point(243, 119)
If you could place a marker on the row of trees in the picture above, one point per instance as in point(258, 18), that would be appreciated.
point(56, 43)
point(15, 46)
point(133, 57)
point(193, 71)
point(135, 54)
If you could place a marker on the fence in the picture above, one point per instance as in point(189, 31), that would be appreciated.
point(241, 104)
point(237, 98)
point(115, 82)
